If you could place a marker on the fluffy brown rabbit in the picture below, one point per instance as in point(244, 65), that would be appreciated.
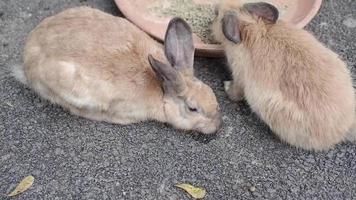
point(104, 68)
point(301, 89)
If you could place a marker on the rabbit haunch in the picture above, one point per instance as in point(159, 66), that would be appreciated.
point(104, 68)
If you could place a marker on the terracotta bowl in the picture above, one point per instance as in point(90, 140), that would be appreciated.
point(297, 12)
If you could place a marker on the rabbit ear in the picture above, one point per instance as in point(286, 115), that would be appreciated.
point(170, 78)
point(264, 10)
point(230, 27)
point(178, 44)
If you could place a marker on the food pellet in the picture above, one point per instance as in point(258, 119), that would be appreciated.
point(198, 16)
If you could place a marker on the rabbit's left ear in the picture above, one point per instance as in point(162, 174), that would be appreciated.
point(169, 77)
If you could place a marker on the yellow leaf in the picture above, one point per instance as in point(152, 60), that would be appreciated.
point(22, 186)
point(195, 192)
point(9, 104)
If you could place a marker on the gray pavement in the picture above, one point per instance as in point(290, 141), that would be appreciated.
point(75, 158)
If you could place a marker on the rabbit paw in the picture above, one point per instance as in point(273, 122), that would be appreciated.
point(235, 92)
point(227, 85)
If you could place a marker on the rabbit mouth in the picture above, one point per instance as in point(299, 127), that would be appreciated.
point(209, 128)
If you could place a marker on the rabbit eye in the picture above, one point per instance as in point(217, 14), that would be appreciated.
point(192, 109)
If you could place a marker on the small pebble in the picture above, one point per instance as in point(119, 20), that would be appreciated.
point(9, 104)
point(350, 22)
point(252, 188)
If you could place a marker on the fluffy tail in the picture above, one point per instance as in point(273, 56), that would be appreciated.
point(19, 74)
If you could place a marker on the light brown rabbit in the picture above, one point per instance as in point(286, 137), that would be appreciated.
point(301, 89)
point(104, 68)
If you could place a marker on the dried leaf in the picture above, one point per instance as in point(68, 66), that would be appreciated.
point(22, 186)
point(195, 192)
point(9, 104)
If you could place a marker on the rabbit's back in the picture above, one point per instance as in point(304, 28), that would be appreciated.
point(93, 39)
point(307, 95)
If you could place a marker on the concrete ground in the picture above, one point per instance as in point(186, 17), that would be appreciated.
point(74, 158)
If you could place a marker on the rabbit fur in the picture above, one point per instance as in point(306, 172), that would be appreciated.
point(104, 68)
point(302, 90)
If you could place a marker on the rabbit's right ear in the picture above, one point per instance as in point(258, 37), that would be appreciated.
point(230, 27)
point(264, 10)
point(170, 78)
point(178, 44)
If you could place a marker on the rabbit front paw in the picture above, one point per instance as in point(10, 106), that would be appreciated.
point(233, 90)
